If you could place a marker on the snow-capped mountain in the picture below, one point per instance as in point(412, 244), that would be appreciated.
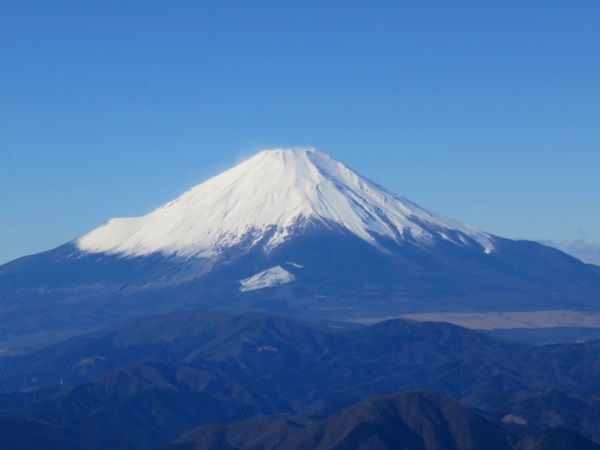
point(265, 199)
point(288, 231)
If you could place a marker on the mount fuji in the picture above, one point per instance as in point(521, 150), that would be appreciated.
point(292, 232)
point(266, 200)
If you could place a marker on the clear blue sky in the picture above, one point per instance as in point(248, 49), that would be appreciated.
point(487, 112)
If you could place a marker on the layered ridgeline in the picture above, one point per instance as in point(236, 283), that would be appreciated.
point(292, 232)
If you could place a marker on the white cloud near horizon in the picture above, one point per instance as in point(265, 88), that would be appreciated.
point(588, 252)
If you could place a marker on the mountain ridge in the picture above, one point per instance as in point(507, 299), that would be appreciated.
point(411, 420)
point(148, 380)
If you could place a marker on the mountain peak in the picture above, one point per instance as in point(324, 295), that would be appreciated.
point(263, 200)
point(286, 153)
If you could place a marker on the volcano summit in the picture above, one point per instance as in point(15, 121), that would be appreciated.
point(266, 200)
point(288, 231)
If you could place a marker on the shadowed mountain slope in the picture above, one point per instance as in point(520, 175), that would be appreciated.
point(406, 421)
point(163, 375)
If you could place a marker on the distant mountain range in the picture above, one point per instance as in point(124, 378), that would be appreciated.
point(291, 232)
point(407, 421)
point(150, 381)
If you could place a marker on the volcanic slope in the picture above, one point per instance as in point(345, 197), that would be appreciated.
point(288, 231)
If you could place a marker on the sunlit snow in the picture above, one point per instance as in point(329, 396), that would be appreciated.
point(262, 200)
point(274, 276)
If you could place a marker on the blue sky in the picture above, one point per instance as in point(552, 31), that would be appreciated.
point(487, 112)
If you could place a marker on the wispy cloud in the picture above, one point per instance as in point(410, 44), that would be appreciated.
point(588, 252)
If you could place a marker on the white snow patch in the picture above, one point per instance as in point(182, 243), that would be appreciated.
point(275, 276)
point(262, 201)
